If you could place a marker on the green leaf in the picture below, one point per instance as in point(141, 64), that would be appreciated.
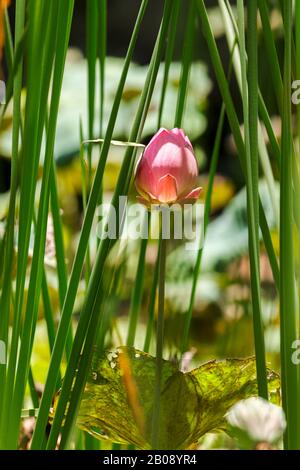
point(118, 398)
point(73, 105)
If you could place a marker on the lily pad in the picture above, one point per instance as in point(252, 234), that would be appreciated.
point(118, 399)
point(73, 104)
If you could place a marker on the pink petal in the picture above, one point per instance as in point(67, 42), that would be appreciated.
point(167, 189)
point(183, 139)
point(145, 180)
point(162, 132)
point(193, 194)
point(178, 132)
point(178, 162)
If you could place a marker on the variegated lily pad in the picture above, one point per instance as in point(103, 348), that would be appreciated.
point(118, 399)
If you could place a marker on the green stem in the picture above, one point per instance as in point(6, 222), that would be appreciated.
point(9, 239)
point(288, 327)
point(296, 162)
point(159, 339)
point(168, 56)
point(251, 154)
point(102, 55)
point(137, 293)
point(151, 309)
point(187, 57)
point(271, 52)
point(62, 274)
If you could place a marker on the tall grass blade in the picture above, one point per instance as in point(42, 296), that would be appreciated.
point(289, 370)
point(10, 235)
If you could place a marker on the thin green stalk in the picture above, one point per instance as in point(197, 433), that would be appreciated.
point(33, 392)
point(102, 59)
point(87, 268)
point(168, 59)
point(169, 56)
point(83, 169)
point(62, 274)
point(155, 426)
point(89, 441)
point(296, 160)
point(269, 128)
point(212, 172)
point(102, 55)
point(269, 247)
point(9, 48)
point(271, 52)
point(37, 439)
point(250, 111)
point(31, 383)
point(137, 292)
point(187, 57)
point(297, 40)
point(48, 313)
point(14, 57)
point(91, 52)
point(289, 370)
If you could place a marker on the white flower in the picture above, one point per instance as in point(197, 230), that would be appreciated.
point(260, 420)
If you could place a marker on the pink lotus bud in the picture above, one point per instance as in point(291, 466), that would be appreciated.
point(167, 171)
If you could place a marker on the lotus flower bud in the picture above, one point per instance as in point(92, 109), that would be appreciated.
point(167, 171)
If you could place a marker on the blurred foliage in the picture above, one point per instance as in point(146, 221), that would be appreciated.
point(118, 398)
point(74, 98)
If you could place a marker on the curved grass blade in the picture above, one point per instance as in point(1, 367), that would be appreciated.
point(169, 56)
